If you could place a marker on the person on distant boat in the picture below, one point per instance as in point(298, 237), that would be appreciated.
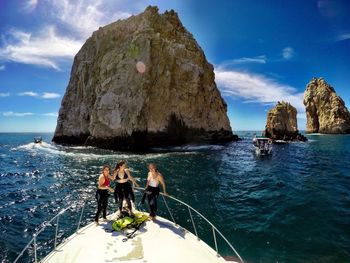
point(123, 190)
point(102, 193)
point(255, 141)
point(152, 189)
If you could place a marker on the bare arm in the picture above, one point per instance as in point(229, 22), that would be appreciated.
point(101, 181)
point(162, 182)
point(147, 182)
point(132, 178)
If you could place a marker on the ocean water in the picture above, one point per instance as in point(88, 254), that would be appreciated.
point(293, 206)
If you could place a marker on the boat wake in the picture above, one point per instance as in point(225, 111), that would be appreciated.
point(92, 153)
point(32, 145)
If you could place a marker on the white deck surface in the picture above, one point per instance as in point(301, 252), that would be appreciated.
point(156, 241)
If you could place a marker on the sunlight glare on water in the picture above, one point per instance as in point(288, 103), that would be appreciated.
point(293, 206)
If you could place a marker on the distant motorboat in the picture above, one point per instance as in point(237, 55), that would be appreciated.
point(263, 145)
point(38, 139)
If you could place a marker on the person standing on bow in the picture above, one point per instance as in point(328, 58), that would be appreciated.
point(152, 189)
point(102, 193)
point(123, 190)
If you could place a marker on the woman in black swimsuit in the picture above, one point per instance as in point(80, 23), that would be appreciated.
point(123, 189)
point(154, 178)
point(102, 193)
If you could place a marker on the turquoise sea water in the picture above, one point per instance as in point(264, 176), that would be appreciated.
point(293, 206)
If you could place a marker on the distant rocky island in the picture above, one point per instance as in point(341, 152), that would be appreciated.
point(325, 110)
point(325, 113)
point(142, 82)
point(282, 124)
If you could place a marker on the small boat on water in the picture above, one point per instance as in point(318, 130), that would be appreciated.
point(262, 145)
point(38, 139)
point(159, 240)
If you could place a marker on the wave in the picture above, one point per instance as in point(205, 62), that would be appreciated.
point(191, 147)
point(88, 153)
point(78, 147)
point(32, 174)
point(32, 145)
point(311, 140)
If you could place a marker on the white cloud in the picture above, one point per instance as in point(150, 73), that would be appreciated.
point(45, 95)
point(24, 114)
point(16, 114)
point(86, 16)
point(288, 53)
point(51, 114)
point(342, 37)
point(29, 5)
point(28, 93)
point(2, 95)
point(47, 47)
point(2, 67)
point(44, 49)
point(83, 16)
point(50, 95)
point(257, 88)
point(244, 60)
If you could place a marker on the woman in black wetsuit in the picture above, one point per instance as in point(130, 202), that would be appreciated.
point(102, 193)
point(152, 189)
point(123, 189)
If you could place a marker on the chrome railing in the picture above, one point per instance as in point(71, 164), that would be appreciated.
point(189, 208)
point(43, 227)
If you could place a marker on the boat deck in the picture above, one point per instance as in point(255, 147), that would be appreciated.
point(156, 241)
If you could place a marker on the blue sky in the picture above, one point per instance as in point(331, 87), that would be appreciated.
point(262, 51)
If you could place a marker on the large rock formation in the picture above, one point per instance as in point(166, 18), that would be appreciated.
point(282, 124)
point(142, 82)
point(325, 111)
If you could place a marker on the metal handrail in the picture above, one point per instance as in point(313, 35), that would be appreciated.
point(202, 216)
point(171, 214)
point(45, 224)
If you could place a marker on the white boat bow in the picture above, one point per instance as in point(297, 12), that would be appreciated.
point(156, 241)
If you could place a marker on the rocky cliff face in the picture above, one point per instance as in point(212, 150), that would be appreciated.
point(281, 123)
point(325, 111)
point(142, 82)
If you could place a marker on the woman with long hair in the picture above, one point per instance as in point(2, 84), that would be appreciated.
point(102, 193)
point(154, 178)
point(123, 190)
